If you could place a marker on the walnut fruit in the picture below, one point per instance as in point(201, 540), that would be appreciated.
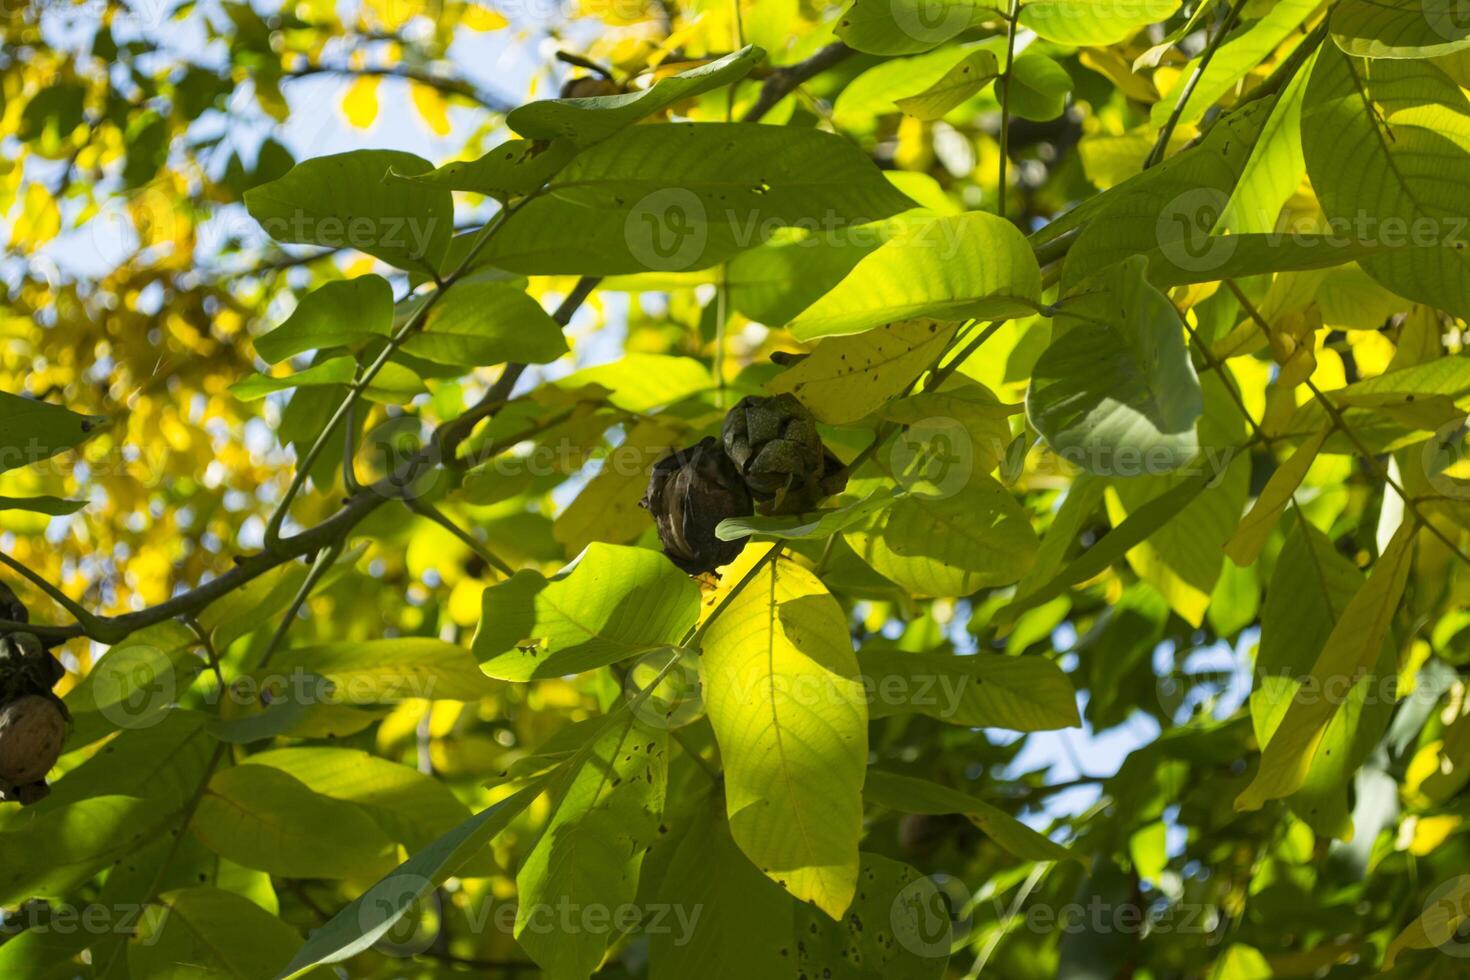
point(689, 493)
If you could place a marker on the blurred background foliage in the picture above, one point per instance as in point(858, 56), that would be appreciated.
point(134, 282)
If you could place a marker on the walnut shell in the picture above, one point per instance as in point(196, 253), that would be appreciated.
point(689, 493)
point(32, 730)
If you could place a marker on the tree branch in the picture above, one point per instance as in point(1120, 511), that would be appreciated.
point(783, 81)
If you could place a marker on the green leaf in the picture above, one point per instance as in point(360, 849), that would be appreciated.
point(207, 931)
point(773, 282)
point(1093, 22)
point(280, 717)
point(32, 431)
point(912, 26)
point(394, 384)
point(345, 201)
point(54, 852)
point(958, 85)
point(909, 795)
point(871, 96)
point(846, 378)
point(609, 604)
point(1400, 28)
point(482, 323)
point(1249, 538)
point(949, 544)
point(968, 265)
point(818, 524)
point(715, 190)
point(1183, 559)
point(1241, 53)
point(737, 904)
point(606, 813)
point(1140, 524)
point(412, 808)
point(262, 818)
point(891, 931)
point(338, 314)
point(962, 409)
point(371, 915)
point(1172, 207)
point(640, 382)
point(1024, 694)
point(1353, 647)
point(53, 506)
point(782, 691)
point(387, 670)
point(1378, 143)
point(162, 762)
point(591, 120)
point(1240, 256)
point(1310, 588)
point(1276, 165)
point(512, 169)
point(1116, 393)
point(1039, 87)
point(1439, 925)
point(133, 685)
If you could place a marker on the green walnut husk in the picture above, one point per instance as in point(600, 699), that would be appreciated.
point(775, 445)
point(33, 721)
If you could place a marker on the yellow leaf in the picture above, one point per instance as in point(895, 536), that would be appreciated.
point(1352, 649)
point(789, 712)
point(39, 221)
point(1444, 910)
point(1431, 832)
point(360, 104)
point(432, 107)
point(847, 377)
point(478, 17)
point(1245, 545)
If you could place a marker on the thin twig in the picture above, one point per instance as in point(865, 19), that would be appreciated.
point(1161, 145)
point(1340, 422)
point(1005, 105)
point(419, 317)
point(428, 510)
point(84, 618)
point(324, 560)
point(783, 81)
point(695, 636)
